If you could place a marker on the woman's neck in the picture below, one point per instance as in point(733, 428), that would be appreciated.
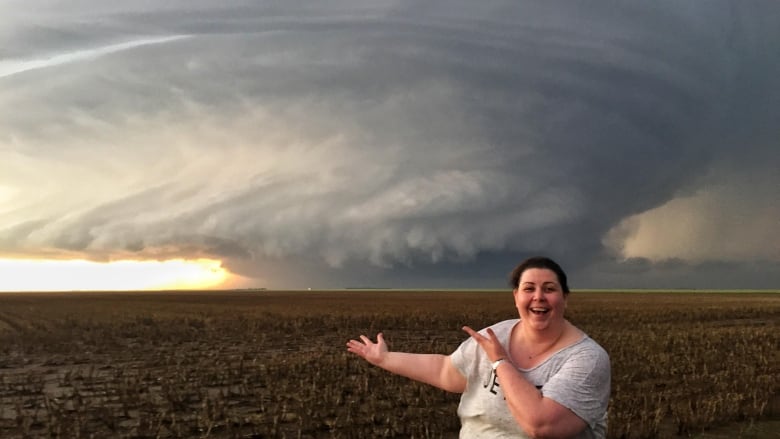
point(538, 341)
point(551, 332)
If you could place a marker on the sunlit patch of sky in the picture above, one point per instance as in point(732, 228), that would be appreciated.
point(80, 275)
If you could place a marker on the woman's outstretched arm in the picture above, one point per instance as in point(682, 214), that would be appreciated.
point(434, 369)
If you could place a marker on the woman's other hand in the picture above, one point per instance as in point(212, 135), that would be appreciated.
point(490, 344)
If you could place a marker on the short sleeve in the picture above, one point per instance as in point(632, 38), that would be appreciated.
point(583, 384)
point(461, 356)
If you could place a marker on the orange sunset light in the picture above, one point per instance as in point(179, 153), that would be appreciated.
point(81, 275)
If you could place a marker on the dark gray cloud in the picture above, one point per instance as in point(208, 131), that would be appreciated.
point(399, 144)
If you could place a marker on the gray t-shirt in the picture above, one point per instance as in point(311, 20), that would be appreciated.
point(577, 377)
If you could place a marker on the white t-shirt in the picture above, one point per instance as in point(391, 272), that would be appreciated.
point(577, 377)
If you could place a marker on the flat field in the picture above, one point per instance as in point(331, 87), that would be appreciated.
point(266, 364)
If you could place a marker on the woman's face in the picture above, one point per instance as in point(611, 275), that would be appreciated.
point(539, 298)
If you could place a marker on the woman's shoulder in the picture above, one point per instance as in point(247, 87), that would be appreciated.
point(508, 322)
point(588, 347)
point(503, 325)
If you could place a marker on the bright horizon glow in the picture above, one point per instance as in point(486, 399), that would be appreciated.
point(127, 275)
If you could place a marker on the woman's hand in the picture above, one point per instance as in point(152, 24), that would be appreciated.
point(490, 344)
point(372, 352)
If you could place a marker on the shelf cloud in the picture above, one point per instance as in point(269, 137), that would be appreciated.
point(398, 144)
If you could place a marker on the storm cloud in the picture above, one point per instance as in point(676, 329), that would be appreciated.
point(398, 144)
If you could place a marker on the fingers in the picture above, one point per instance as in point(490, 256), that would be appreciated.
point(355, 343)
point(355, 346)
point(479, 338)
point(359, 346)
point(367, 349)
point(490, 343)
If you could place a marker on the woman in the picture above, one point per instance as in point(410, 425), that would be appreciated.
point(536, 376)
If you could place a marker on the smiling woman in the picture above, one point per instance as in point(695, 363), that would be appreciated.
point(70, 275)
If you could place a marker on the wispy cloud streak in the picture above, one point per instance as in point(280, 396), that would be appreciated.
point(14, 67)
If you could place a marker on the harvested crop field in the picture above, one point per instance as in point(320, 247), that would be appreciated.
point(267, 364)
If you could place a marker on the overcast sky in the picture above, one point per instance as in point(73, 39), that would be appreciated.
point(397, 143)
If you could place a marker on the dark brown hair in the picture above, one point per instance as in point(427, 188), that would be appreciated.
point(539, 262)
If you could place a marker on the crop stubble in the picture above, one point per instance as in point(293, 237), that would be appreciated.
point(273, 364)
